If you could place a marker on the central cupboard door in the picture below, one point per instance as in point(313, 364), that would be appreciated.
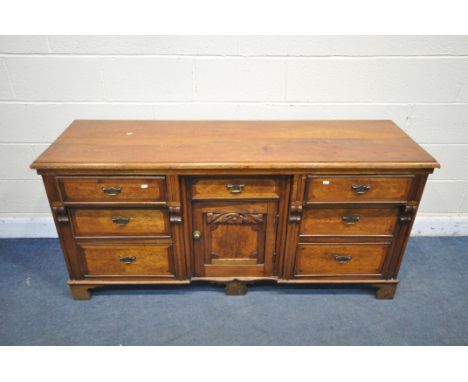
point(234, 238)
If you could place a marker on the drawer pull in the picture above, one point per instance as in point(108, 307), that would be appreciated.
point(360, 189)
point(197, 235)
point(343, 259)
point(127, 259)
point(121, 221)
point(350, 219)
point(235, 188)
point(112, 191)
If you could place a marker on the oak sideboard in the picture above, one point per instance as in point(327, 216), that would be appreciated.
point(234, 202)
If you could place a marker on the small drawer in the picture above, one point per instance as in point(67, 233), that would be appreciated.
point(235, 187)
point(349, 221)
point(127, 260)
point(119, 222)
point(112, 189)
point(358, 188)
point(340, 259)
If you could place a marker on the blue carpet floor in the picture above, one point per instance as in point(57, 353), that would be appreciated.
point(430, 307)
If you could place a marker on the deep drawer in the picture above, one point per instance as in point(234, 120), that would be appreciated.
point(340, 259)
point(119, 222)
point(235, 187)
point(349, 221)
point(358, 188)
point(112, 189)
point(127, 259)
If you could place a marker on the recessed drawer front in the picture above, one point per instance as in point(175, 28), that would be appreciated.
point(349, 221)
point(340, 259)
point(127, 259)
point(112, 189)
point(358, 188)
point(235, 187)
point(119, 222)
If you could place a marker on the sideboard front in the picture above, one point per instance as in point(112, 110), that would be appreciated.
point(167, 228)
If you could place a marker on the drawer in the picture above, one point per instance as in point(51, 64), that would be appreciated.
point(235, 187)
point(119, 222)
point(349, 221)
point(127, 259)
point(358, 188)
point(112, 189)
point(340, 259)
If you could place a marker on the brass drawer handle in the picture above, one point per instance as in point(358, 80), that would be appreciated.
point(350, 219)
point(235, 188)
point(343, 259)
point(361, 189)
point(127, 259)
point(197, 235)
point(112, 191)
point(121, 221)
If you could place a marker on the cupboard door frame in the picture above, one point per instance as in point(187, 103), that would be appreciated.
point(260, 216)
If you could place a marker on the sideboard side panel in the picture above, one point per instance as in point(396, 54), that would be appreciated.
point(63, 226)
point(403, 233)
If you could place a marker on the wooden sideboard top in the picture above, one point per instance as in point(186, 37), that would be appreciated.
point(144, 145)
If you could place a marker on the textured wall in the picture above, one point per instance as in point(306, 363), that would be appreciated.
point(419, 82)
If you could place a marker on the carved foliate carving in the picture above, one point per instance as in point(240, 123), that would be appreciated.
point(295, 213)
point(60, 214)
point(175, 215)
point(233, 218)
point(407, 213)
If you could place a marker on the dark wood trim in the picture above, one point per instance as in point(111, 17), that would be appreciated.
point(126, 281)
point(244, 171)
point(282, 226)
point(348, 280)
point(123, 237)
point(296, 199)
point(187, 226)
point(176, 218)
point(365, 204)
point(235, 167)
point(130, 277)
point(351, 175)
point(340, 276)
point(115, 204)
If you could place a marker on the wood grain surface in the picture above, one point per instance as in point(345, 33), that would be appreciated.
point(87, 144)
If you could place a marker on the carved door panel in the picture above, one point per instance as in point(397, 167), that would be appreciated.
point(234, 239)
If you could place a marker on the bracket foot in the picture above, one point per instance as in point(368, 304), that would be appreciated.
point(385, 291)
point(235, 288)
point(81, 292)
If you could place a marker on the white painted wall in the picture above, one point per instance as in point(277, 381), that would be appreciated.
point(46, 82)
